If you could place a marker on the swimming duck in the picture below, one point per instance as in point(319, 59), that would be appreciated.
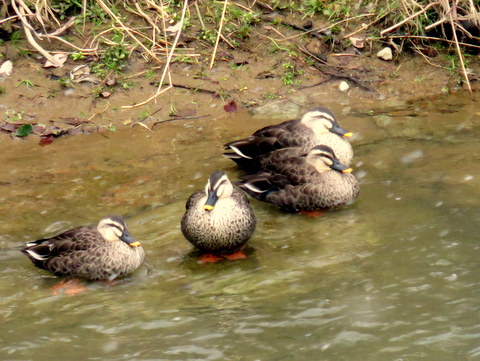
point(219, 219)
point(316, 127)
point(104, 252)
point(310, 182)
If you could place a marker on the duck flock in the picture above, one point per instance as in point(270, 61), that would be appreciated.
point(300, 165)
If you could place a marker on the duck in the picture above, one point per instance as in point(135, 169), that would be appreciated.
point(268, 159)
point(316, 127)
point(310, 182)
point(219, 220)
point(103, 252)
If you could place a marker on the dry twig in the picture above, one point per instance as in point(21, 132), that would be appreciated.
point(459, 51)
point(393, 27)
point(220, 27)
point(21, 12)
point(166, 69)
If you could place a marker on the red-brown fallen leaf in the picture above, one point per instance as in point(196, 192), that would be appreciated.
point(9, 127)
point(230, 107)
point(45, 140)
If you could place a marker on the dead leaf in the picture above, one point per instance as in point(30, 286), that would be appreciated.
point(186, 113)
point(6, 69)
point(173, 29)
point(60, 59)
point(45, 140)
point(265, 75)
point(8, 127)
point(230, 107)
point(357, 41)
point(105, 94)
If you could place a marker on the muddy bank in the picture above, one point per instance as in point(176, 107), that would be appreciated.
point(253, 77)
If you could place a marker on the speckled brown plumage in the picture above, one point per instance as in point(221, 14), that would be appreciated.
point(84, 252)
point(296, 185)
point(316, 127)
point(223, 229)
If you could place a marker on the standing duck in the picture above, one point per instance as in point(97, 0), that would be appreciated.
point(311, 182)
point(316, 127)
point(218, 220)
point(104, 252)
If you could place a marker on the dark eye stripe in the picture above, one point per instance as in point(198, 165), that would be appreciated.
point(217, 185)
point(115, 226)
point(326, 155)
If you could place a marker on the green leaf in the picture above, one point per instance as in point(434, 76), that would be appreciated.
point(24, 130)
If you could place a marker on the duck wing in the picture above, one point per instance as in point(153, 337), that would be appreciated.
point(43, 250)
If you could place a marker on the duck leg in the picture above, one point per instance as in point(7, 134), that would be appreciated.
point(68, 287)
point(209, 258)
point(234, 256)
point(213, 258)
point(313, 214)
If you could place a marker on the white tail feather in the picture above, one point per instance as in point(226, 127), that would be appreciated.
point(36, 255)
point(236, 150)
point(253, 188)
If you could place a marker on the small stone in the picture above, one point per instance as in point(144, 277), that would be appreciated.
point(111, 80)
point(385, 54)
point(6, 69)
point(343, 86)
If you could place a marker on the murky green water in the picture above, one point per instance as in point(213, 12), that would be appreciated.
point(393, 277)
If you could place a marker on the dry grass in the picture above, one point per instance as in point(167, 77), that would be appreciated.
point(150, 27)
point(452, 16)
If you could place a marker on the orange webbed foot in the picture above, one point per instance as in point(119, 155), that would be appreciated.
point(209, 258)
point(69, 287)
point(213, 258)
point(235, 255)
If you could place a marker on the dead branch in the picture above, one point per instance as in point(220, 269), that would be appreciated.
point(21, 12)
point(393, 27)
point(166, 69)
point(220, 27)
point(459, 51)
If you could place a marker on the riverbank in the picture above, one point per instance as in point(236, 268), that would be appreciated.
point(286, 62)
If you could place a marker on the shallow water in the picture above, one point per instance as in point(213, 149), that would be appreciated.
point(392, 277)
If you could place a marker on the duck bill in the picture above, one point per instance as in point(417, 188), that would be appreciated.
point(211, 200)
point(128, 239)
point(339, 167)
point(340, 131)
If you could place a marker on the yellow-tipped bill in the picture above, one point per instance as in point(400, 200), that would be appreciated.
point(208, 207)
point(348, 135)
point(348, 170)
point(135, 244)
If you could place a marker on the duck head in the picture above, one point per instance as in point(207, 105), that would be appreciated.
point(113, 228)
point(323, 159)
point(321, 121)
point(218, 187)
